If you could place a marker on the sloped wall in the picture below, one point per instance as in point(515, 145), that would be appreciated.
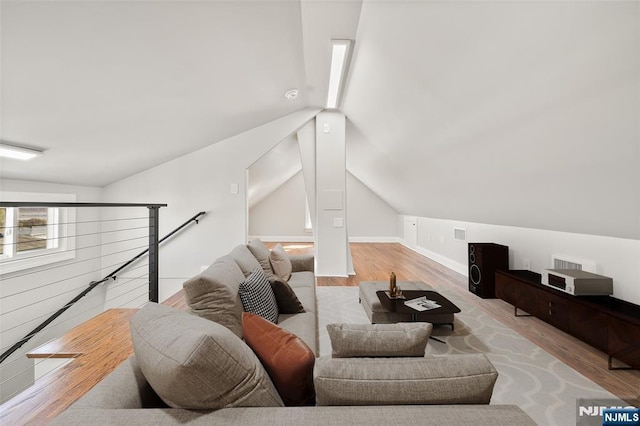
point(509, 113)
point(202, 181)
point(369, 218)
point(280, 217)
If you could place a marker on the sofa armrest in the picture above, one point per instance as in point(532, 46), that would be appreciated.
point(451, 379)
point(302, 262)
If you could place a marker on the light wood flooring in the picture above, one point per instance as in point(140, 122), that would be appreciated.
point(372, 262)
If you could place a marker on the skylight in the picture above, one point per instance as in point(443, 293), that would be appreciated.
point(339, 54)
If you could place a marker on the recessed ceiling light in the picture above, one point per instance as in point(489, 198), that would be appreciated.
point(17, 152)
point(291, 94)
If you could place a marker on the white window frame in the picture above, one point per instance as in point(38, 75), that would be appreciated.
point(61, 243)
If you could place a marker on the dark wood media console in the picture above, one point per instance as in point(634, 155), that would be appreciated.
point(606, 323)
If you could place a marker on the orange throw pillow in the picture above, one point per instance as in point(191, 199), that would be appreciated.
point(288, 360)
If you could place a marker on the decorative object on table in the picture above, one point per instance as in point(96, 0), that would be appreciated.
point(393, 287)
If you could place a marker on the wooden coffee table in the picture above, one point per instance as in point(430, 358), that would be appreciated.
point(442, 315)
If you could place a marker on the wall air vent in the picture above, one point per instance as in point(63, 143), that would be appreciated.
point(460, 234)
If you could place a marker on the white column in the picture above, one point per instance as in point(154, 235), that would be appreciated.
point(332, 246)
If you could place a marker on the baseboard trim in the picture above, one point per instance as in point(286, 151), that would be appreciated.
point(375, 240)
point(281, 239)
point(443, 260)
point(304, 239)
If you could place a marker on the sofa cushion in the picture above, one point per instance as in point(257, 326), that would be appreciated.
point(449, 379)
point(302, 279)
point(213, 294)
point(245, 260)
point(126, 387)
point(371, 340)
point(303, 325)
point(257, 296)
point(469, 415)
point(262, 253)
point(287, 359)
point(288, 302)
point(280, 263)
point(194, 363)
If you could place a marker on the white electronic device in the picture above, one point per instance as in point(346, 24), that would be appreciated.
point(578, 282)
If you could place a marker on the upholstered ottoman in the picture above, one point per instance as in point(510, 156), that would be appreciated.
point(375, 311)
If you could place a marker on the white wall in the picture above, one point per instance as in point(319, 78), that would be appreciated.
point(369, 218)
point(280, 216)
point(614, 257)
point(29, 297)
point(201, 181)
point(272, 170)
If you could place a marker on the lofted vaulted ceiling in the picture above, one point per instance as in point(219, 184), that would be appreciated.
point(111, 88)
point(520, 113)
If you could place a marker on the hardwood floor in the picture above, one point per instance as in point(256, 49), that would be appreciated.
point(97, 347)
point(372, 262)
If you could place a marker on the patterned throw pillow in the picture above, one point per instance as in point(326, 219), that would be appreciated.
point(257, 296)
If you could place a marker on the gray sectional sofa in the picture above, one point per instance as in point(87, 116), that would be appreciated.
point(444, 390)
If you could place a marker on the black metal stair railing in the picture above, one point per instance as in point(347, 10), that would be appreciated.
point(152, 251)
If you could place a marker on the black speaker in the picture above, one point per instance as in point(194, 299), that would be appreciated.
point(484, 260)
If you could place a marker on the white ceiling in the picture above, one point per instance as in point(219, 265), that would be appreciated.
point(109, 89)
point(520, 113)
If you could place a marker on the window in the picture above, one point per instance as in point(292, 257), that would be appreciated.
point(34, 236)
point(308, 226)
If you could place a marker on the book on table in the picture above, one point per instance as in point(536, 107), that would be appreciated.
point(422, 304)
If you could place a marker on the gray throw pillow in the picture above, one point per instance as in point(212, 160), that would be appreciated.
point(262, 253)
point(245, 259)
point(379, 340)
point(280, 263)
point(257, 296)
point(213, 294)
point(194, 363)
point(288, 302)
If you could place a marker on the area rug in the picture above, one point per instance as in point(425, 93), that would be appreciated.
point(540, 384)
